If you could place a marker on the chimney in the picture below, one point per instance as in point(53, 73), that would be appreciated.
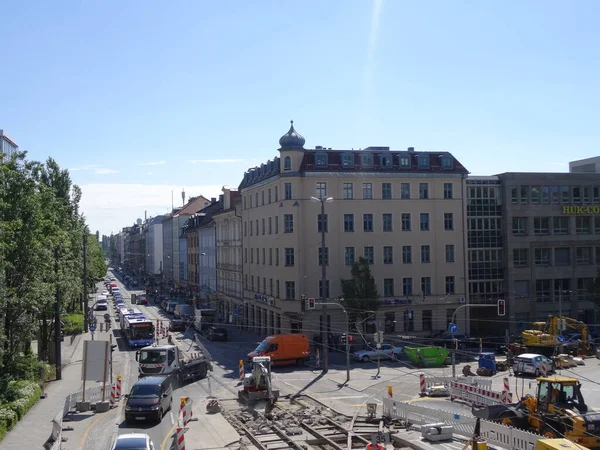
point(226, 198)
point(183, 196)
point(213, 200)
point(411, 149)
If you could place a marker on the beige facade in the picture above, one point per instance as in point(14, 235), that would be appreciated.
point(403, 211)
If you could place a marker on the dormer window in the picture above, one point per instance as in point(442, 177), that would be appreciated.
point(287, 163)
point(385, 160)
point(347, 160)
point(404, 161)
point(447, 162)
point(423, 161)
point(321, 159)
point(366, 161)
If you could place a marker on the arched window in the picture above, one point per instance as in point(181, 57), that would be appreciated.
point(287, 163)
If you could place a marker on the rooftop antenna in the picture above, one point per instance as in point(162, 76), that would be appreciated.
point(172, 204)
point(183, 196)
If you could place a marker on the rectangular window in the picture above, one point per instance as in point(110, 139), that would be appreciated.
point(405, 191)
point(271, 286)
point(536, 194)
point(349, 256)
point(388, 254)
point(447, 191)
point(262, 197)
point(423, 191)
point(269, 196)
point(521, 257)
point(276, 193)
point(450, 253)
point(583, 224)
point(322, 223)
point(597, 224)
point(323, 259)
point(245, 255)
point(369, 253)
point(348, 222)
point(288, 223)
point(367, 191)
point(368, 222)
point(263, 256)
point(251, 255)
point(321, 190)
point(576, 194)
point(407, 286)
point(541, 225)
point(276, 224)
point(388, 287)
point(290, 290)
point(263, 226)
point(562, 256)
point(425, 254)
point(565, 194)
point(387, 222)
point(325, 294)
point(519, 226)
point(426, 286)
point(245, 228)
point(405, 217)
point(406, 254)
point(277, 256)
point(287, 191)
point(545, 194)
point(450, 285)
point(523, 194)
point(560, 225)
point(277, 287)
point(386, 191)
point(541, 257)
point(427, 320)
point(270, 225)
point(348, 193)
point(270, 256)
point(514, 195)
point(424, 222)
point(289, 256)
point(448, 221)
point(584, 255)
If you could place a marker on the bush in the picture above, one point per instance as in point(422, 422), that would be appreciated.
point(73, 324)
point(20, 397)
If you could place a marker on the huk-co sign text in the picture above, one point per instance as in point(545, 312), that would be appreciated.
point(580, 210)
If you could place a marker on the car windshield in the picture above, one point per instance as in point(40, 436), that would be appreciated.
point(153, 356)
point(262, 346)
point(131, 443)
point(145, 390)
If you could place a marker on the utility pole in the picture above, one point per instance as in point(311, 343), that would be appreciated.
point(57, 327)
point(85, 286)
point(378, 344)
point(323, 299)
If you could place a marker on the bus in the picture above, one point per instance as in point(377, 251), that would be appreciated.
point(205, 317)
point(137, 330)
point(128, 312)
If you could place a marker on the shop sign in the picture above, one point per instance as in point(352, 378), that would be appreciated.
point(580, 210)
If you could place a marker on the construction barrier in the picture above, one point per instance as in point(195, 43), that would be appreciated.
point(185, 411)
point(476, 395)
point(180, 438)
point(241, 370)
point(119, 386)
point(426, 382)
point(463, 425)
point(318, 359)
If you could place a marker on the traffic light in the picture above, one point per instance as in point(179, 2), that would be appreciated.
point(311, 303)
point(501, 307)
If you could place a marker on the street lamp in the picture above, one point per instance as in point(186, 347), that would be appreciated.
point(325, 328)
point(347, 336)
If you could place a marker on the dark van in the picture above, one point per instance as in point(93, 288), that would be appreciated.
point(150, 397)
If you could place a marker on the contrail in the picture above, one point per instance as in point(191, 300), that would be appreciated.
point(372, 45)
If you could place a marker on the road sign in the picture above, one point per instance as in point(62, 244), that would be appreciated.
point(379, 438)
point(561, 339)
point(92, 328)
point(453, 328)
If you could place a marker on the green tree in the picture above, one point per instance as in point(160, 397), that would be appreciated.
point(360, 292)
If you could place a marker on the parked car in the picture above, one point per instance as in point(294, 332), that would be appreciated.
point(531, 363)
point(387, 351)
point(217, 334)
point(133, 441)
point(177, 325)
point(102, 305)
point(150, 397)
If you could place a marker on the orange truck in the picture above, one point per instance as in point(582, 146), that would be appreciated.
point(283, 349)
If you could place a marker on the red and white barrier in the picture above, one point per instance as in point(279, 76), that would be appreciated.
point(544, 369)
point(112, 399)
point(180, 438)
point(185, 411)
point(241, 371)
point(506, 394)
point(318, 359)
point(118, 393)
point(477, 395)
point(422, 385)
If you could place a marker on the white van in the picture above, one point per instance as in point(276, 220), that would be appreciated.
point(531, 363)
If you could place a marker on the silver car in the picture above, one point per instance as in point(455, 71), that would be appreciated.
point(387, 351)
point(133, 441)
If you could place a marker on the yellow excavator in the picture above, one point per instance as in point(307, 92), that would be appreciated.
point(544, 337)
point(558, 410)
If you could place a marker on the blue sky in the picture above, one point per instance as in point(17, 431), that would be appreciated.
point(139, 98)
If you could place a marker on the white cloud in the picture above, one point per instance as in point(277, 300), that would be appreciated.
point(110, 207)
point(372, 45)
point(216, 161)
point(148, 173)
point(105, 171)
point(86, 167)
point(151, 163)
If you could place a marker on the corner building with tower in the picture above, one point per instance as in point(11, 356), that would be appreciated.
point(404, 211)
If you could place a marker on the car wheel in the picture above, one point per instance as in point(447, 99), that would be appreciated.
point(160, 415)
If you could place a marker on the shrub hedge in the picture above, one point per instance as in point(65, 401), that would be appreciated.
point(73, 324)
point(19, 398)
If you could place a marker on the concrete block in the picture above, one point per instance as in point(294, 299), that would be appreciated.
point(435, 432)
point(103, 406)
point(82, 406)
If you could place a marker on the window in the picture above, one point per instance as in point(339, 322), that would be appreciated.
point(321, 160)
point(245, 255)
point(447, 191)
point(424, 222)
point(584, 255)
point(245, 202)
point(321, 293)
point(447, 162)
point(425, 254)
point(565, 194)
point(367, 191)
point(519, 226)
point(386, 191)
point(287, 191)
point(366, 160)
point(322, 223)
point(369, 254)
point(348, 191)
point(277, 256)
point(405, 191)
point(407, 286)
point(426, 285)
point(448, 221)
point(324, 258)
point(562, 256)
point(542, 290)
point(576, 194)
point(387, 222)
point(368, 222)
point(597, 224)
point(405, 218)
point(388, 287)
point(263, 256)
point(288, 223)
point(245, 228)
point(321, 190)
point(450, 253)
point(545, 194)
point(523, 194)
point(270, 225)
point(520, 257)
point(423, 191)
point(269, 196)
point(287, 163)
point(276, 193)
point(277, 287)
point(406, 254)
point(263, 226)
point(256, 196)
point(347, 160)
point(349, 256)
point(541, 256)
point(348, 222)
point(262, 197)
point(276, 224)
point(514, 195)
point(536, 194)
point(289, 256)
point(450, 285)
point(251, 255)
point(541, 225)
point(290, 290)
point(560, 225)
point(270, 256)
point(583, 224)
point(385, 160)
point(388, 255)
point(404, 161)
point(423, 161)
point(427, 320)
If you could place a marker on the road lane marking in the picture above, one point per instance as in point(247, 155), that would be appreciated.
point(172, 418)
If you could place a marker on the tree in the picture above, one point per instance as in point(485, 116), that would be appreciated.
point(360, 292)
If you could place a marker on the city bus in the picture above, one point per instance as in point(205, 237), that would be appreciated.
point(137, 330)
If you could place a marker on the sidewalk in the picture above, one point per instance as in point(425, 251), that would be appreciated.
point(209, 431)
